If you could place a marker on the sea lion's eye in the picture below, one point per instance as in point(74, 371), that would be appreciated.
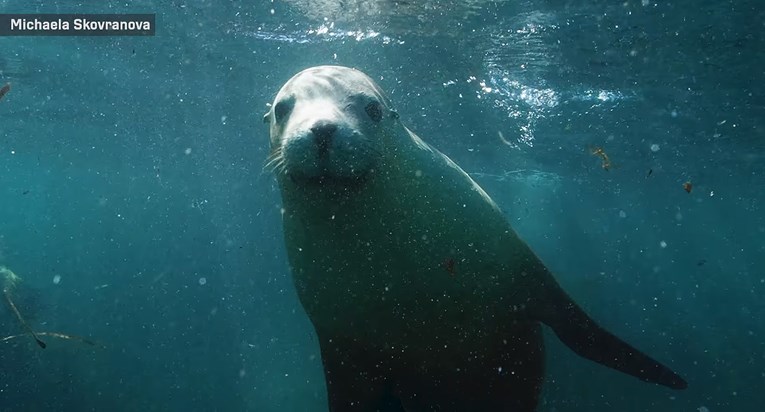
point(283, 109)
point(374, 110)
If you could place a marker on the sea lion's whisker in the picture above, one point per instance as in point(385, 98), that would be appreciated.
point(272, 159)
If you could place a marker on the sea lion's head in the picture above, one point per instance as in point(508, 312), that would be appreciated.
point(328, 126)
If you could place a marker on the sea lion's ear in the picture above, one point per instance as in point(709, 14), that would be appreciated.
point(265, 116)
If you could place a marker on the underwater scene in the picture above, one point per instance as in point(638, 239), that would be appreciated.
point(472, 205)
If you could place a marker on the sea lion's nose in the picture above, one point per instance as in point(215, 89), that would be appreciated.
point(323, 132)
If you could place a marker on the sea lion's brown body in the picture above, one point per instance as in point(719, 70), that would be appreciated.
point(422, 295)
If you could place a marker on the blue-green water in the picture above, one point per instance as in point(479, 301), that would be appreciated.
point(134, 205)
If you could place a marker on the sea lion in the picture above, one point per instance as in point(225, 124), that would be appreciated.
point(422, 295)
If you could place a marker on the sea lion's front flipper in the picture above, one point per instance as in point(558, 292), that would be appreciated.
point(585, 337)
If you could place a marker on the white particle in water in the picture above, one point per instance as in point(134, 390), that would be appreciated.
point(202, 281)
point(663, 244)
point(56, 279)
point(187, 151)
point(622, 214)
point(655, 148)
point(702, 409)
point(645, 2)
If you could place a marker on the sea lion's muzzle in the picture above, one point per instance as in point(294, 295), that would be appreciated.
point(323, 132)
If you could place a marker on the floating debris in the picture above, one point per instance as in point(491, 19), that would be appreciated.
point(9, 282)
point(451, 266)
point(606, 162)
point(26, 326)
point(688, 186)
point(55, 335)
point(5, 89)
point(505, 141)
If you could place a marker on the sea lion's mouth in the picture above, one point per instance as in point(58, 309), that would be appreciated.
point(346, 161)
point(330, 181)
